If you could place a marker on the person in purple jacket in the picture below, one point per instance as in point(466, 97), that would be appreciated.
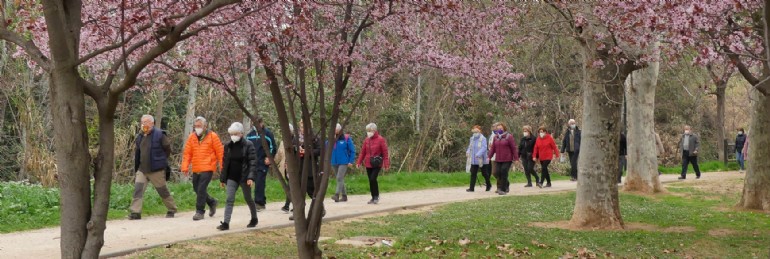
point(506, 152)
point(477, 151)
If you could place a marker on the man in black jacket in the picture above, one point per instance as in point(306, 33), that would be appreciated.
point(571, 145)
point(689, 144)
point(263, 163)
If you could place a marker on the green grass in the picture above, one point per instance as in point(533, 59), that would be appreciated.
point(493, 223)
point(26, 207)
point(709, 166)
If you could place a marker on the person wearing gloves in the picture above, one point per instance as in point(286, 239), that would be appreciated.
point(239, 169)
point(545, 151)
point(477, 152)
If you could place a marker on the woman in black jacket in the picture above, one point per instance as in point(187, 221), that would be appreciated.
point(526, 148)
point(239, 169)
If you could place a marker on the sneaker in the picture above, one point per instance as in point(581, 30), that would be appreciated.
point(370, 201)
point(253, 223)
point(170, 214)
point(213, 208)
point(336, 198)
point(285, 209)
point(375, 201)
point(224, 226)
point(469, 190)
point(681, 178)
point(134, 216)
point(548, 185)
point(528, 185)
point(291, 217)
point(697, 177)
point(260, 207)
point(344, 198)
point(502, 193)
point(539, 185)
point(198, 216)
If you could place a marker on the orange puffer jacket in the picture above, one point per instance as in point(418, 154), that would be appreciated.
point(203, 154)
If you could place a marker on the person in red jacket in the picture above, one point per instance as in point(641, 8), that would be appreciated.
point(545, 151)
point(374, 156)
point(505, 151)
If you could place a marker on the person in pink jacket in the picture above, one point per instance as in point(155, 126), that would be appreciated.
point(505, 151)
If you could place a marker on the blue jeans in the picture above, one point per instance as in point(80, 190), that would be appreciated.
point(739, 157)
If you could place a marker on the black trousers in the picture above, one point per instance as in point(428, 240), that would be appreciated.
point(502, 176)
point(686, 160)
point(529, 169)
point(374, 187)
point(544, 168)
point(573, 164)
point(484, 172)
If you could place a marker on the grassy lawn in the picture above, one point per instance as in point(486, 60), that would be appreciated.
point(26, 207)
point(709, 166)
point(689, 222)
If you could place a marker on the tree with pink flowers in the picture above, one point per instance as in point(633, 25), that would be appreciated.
point(99, 49)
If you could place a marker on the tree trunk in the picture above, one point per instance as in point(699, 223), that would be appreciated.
point(103, 168)
point(192, 90)
point(642, 150)
point(720, 93)
point(419, 103)
point(756, 195)
point(72, 159)
point(596, 204)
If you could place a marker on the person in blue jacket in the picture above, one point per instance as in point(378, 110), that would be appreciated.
point(343, 156)
point(263, 163)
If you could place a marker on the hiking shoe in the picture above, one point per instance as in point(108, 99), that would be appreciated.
point(547, 185)
point(198, 216)
point(336, 198)
point(260, 207)
point(285, 209)
point(213, 208)
point(344, 198)
point(681, 178)
point(253, 223)
point(134, 216)
point(469, 190)
point(528, 185)
point(170, 214)
point(224, 226)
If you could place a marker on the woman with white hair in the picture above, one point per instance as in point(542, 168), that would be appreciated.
point(374, 156)
point(343, 156)
point(239, 169)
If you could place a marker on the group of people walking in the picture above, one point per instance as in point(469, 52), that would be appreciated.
point(496, 155)
point(243, 162)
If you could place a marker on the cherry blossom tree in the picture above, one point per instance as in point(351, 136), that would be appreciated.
point(99, 49)
point(319, 60)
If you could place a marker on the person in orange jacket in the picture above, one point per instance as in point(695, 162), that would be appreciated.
point(204, 151)
point(545, 151)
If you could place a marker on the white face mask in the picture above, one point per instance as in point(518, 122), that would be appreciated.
point(369, 134)
point(526, 134)
point(572, 126)
point(687, 132)
point(235, 138)
point(740, 132)
point(542, 134)
point(476, 134)
point(198, 131)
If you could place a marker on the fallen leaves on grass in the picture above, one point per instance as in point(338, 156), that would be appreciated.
point(538, 244)
point(582, 253)
point(464, 241)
